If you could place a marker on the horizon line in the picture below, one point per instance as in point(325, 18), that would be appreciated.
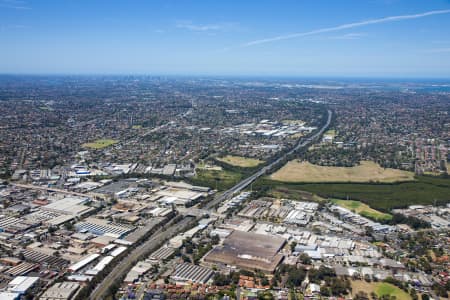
point(218, 75)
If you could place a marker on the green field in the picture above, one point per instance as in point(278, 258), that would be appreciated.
point(362, 209)
point(239, 161)
point(221, 180)
point(379, 288)
point(100, 144)
point(425, 190)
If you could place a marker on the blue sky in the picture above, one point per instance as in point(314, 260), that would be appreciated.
point(367, 38)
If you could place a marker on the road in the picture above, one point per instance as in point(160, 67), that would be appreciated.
point(52, 189)
point(128, 262)
point(247, 181)
point(134, 139)
point(170, 230)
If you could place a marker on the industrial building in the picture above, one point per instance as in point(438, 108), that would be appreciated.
point(85, 261)
point(22, 269)
point(21, 284)
point(100, 266)
point(69, 205)
point(42, 258)
point(61, 291)
point(179, 196)
point(186, 273)
point(262, 253)
point(161, 254)
point(101, 227)
point(119, 250)
point(18, 287)
point(138, 270)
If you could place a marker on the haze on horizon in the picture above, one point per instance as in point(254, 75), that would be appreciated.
point(360, 38)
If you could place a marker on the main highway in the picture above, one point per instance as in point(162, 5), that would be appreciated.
point(247, 181)
point(122, 267)
point(170, 230)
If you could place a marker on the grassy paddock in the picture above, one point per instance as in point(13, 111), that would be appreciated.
point(379, 288)
point(362, 209)
point(367, 171)
point(100, 144)
point(240, 161)
point(221, 180)
point(425, 190)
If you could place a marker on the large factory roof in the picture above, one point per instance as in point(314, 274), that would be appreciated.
point(192, 273)
point(248, 251)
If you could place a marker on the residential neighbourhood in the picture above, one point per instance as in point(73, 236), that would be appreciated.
point(294, 193)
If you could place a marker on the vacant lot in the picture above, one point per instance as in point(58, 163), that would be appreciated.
point(367, 171)
point(100, 144)
point(240, 161)
point(379, 288)
point(362, 209)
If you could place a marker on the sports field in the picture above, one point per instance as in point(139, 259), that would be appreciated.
point(100, 144)
point(367, 171)
point(362, 209)
point(240, 161)
point(379, 288)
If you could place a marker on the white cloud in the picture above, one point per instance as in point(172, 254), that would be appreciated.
point(188, 25)
point(13, 27)
point(438, 50)
point(14, 4)
point(441, 42)
point(348, 36)
point(345, 26)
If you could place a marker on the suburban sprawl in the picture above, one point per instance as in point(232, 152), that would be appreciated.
point(140, 187)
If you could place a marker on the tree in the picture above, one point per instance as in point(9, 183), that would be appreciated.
point(221, 279)
point(305, 259)
point(440, 290)
point(317, 275)
point(265, 281)
point(425, 297)
point(293, 245)
point(69, 226)
point(361, 296)
point(296, 277)
point(413, 294)
point(52, 229)
point(265, 295)
point(338, 286)
point(215, 239)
